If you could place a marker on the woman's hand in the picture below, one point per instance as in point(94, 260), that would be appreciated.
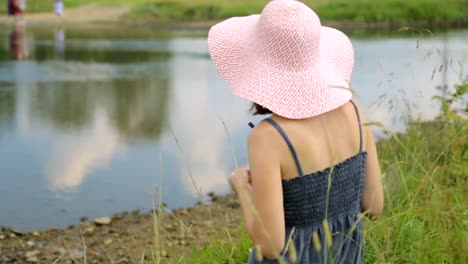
point(240, 178)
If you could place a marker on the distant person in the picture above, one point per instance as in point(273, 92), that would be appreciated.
point(58, 7)
point(11, 7)
point(313, 169)
point(19, 7)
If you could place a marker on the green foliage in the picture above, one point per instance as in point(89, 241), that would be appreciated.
point(231, 246)
point(401, 12)
point(425, 173)
point(396, 11)
point(453, 104)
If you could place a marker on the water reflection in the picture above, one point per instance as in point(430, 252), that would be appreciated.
point(198, 106)
point(97, 122)
point(7, 107)
point(59, 41)
point(18, 42)
point(75, 155)
point(92, 108)
point(137, 108)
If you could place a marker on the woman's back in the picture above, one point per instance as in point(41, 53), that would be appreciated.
point(320, 186)
point(320, 142)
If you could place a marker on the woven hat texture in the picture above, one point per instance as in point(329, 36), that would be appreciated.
point(284, 60)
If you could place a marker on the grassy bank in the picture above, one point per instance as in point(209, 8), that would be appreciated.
point(384, 13)
point(390, 12)
point(425, 174)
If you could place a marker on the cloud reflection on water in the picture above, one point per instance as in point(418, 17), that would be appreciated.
point(75, 156)
point(198, 106)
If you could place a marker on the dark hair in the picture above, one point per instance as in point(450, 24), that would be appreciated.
point(257, 109)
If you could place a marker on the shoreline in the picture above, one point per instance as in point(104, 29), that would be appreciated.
point(125, 237)
point(98, 15)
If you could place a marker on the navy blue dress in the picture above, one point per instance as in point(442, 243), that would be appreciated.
point(332, 195)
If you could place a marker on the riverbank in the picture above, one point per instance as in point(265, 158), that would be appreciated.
point(126, 237)
point(356, 14)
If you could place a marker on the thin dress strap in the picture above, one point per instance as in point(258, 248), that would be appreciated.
point(360, 127)
point(286, 138)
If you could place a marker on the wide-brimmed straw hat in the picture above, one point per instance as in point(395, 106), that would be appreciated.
point(277, 60)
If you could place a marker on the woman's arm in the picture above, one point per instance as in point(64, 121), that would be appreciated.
point(268, 230)
point(372, 201)
point(373, 195)
point(261, 195)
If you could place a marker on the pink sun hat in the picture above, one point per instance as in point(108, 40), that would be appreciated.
point(277, 60)
point(336, 46)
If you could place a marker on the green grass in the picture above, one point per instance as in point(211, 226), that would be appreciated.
point(392, 12)
point(395, 12)
point(230, 246)
point(426, 173)
point(428, 13)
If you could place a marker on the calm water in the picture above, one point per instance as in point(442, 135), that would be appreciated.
point(93, 121)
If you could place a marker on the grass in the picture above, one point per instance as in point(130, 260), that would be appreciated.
point(427, 13)
point(230, 246)
point(392, 12)
point(426, 173)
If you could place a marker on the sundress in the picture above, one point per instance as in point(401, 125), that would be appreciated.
point(326, 202)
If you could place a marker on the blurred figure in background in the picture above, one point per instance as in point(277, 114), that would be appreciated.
point(59, 37)
point(19, 6)
point(58, 8)
point(11, 7)
point(17, 42)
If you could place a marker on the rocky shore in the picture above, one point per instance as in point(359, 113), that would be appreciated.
point(125, 237)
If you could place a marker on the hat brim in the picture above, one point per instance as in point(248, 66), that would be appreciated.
point(291, 94)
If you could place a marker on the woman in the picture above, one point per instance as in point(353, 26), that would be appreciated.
point(313, 167)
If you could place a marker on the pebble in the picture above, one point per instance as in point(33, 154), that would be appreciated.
point(32, 259)
point(2, 237)
point(12, 235)
point(108, 242)
point(170, 228)
point(17, 232)
point(208, 223)
point(88, 230)
point(32, 253)
point(102, 221)
point(30, 243)
point(36, 234)
point(164, 254)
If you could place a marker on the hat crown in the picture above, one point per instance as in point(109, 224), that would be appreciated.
point(289, 35)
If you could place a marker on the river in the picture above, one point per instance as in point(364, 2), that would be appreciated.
point(95, 121)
